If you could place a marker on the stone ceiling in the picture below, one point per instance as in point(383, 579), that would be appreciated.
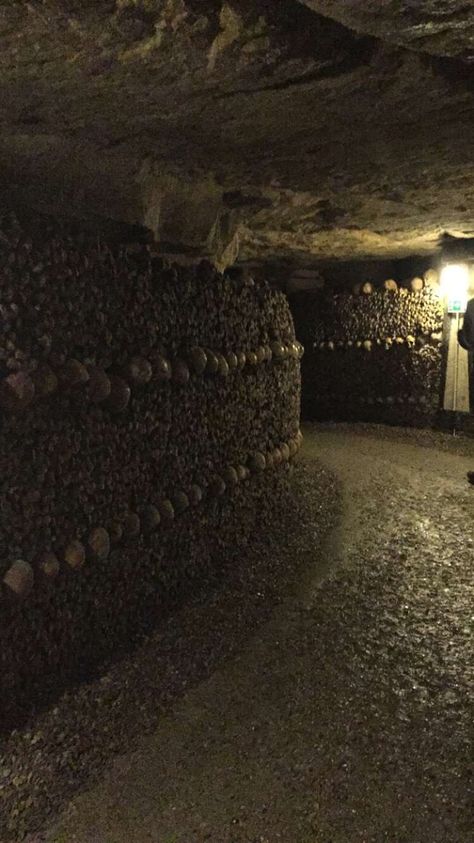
point(265, 129)
point(439, 27)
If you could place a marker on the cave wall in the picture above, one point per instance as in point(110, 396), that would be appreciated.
point(375, 357)
point(149, 415)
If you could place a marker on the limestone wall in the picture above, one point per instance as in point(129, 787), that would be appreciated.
point(149, 415)
point(375, 356)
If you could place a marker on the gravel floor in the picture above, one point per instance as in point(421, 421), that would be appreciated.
point(345, 718)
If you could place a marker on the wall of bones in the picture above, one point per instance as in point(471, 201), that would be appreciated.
point(149, 415)
point(373, 354)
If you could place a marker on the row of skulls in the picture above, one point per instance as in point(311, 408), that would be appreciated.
point(415, 285)
point(19, 579)
point(386, 343)
point(388, 400)
point(19, 389)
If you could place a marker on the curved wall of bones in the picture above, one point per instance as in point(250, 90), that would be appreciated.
point(374, 355)
point(149, 414)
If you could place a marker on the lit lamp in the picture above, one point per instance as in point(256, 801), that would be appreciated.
point(454, 289)
point(454, 286)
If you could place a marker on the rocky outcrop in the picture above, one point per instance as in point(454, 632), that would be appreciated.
point(243, 129)
point(443, 29)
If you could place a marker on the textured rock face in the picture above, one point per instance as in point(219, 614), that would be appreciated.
point(443, 29)
point(244, 129)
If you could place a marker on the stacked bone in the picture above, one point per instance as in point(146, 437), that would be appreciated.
point(134, 395)
point(375, 354)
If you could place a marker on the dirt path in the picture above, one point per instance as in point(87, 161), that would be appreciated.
point(347, 718)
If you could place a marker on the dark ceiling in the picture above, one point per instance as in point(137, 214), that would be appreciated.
point(303, 130)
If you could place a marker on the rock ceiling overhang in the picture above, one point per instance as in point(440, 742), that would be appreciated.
point(257, 129)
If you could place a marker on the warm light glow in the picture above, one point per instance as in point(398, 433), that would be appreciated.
point(454, 286)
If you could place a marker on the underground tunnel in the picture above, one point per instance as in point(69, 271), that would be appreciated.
point(236, 421)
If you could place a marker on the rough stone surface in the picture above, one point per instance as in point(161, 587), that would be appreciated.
point(242, 129)
point(346, 717)
point(443, 29)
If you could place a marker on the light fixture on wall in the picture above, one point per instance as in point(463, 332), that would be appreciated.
point(454, 282)
point(457, 260)
point(455, 285)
